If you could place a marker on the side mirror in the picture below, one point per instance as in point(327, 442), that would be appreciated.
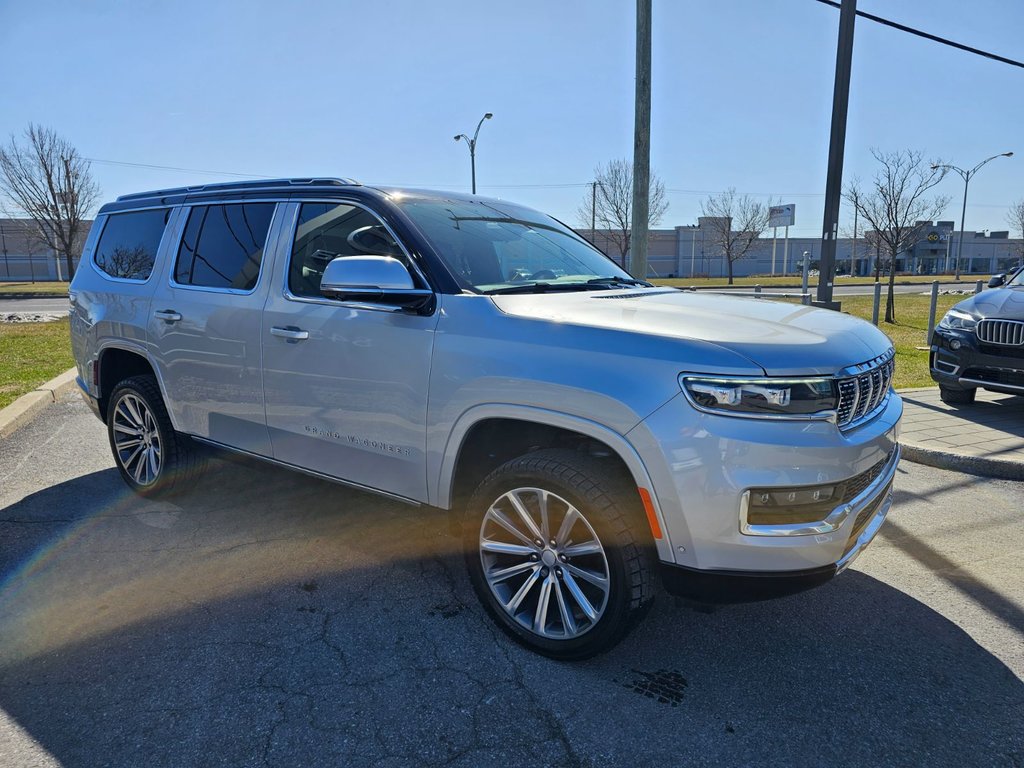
point(373, 280)
point(996, 280)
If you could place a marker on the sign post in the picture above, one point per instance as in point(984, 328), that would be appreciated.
point(781, 216)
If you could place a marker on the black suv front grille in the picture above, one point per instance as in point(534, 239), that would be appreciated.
point(1008, 333)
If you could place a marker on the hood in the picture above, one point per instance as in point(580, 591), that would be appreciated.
point(784, 339)
point(1002, 303)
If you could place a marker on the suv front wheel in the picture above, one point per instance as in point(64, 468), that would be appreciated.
point(957, 396)
point(558, 553)
point(153, 459)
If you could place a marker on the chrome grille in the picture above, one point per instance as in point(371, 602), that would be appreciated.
point(1006, 332)
point(865, 392)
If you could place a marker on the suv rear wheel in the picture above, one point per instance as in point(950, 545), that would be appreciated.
point(558, 553)
point(153, 459)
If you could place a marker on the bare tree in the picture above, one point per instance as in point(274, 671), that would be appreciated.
point(734, 222)
point(47, 180)
point(1015, 218)
point(610, 205)
point(894, 203)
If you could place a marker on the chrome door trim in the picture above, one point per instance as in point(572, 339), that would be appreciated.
point(310, 472)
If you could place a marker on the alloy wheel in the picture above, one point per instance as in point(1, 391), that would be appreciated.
point(544, 563)
point(137, 439)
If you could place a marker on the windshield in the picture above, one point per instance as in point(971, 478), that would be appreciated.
point(495, 247)
point(1018, 280)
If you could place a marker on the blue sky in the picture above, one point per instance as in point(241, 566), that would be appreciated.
point(376, 90)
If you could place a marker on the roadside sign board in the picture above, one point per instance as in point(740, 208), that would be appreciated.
point(782, 215)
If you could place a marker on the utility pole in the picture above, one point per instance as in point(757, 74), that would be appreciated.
point(7, 264)
point(836, 147)
point(853, 245)
point(641, 142)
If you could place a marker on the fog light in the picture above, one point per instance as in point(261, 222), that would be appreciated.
point(807, 504)
point(955, 344)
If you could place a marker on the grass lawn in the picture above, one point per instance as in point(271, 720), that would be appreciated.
point(907, 333)
point(686, 282)
point(31, 354)
point(51, 287)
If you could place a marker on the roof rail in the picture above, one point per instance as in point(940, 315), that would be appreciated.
point(242, 185)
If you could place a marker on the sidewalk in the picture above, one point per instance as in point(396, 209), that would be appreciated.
point(983, 438)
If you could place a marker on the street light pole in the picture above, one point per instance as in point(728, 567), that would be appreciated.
point(472, 146)
point(966, 176)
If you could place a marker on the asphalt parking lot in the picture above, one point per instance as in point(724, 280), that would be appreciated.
point(270, 619)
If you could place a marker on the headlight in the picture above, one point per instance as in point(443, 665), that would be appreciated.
point(765, 397)
point(957, 320)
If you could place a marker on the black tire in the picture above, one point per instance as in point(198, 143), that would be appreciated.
point(179, 460)
point(612, 515)
point(957, 396)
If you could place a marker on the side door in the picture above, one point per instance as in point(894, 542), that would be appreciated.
point(345, 383)
point(204, 325)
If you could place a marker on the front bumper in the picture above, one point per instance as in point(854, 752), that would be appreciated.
point(974, 364)
point(702, 465)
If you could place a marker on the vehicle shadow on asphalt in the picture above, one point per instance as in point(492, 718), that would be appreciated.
point(270, 619)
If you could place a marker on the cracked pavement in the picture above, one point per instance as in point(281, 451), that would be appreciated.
point(269, 619)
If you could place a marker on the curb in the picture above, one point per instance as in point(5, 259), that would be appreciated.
point(983, 466)
point(26, 407)
point(33, 296)
point(972, 465)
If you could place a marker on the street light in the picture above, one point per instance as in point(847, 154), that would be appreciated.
point(472, 145)
point(966, 176)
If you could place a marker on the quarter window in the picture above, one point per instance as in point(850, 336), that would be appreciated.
point(327, 231)
point(223, 246)
point(128, 244)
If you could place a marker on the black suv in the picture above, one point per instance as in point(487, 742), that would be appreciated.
point(980, 342)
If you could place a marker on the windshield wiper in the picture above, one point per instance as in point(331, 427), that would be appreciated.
point(539, 288)
point(616, 280)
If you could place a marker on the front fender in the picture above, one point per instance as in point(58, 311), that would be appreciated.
point(440, 483)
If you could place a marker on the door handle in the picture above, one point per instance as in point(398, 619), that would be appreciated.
point(295, 334)
point(167, 314)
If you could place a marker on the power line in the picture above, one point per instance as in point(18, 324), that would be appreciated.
point(175, 168)
point(740, 192)
point(929, 36)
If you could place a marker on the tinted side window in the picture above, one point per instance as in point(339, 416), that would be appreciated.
point(129, 242)
point(326, 231)
point(223, 245)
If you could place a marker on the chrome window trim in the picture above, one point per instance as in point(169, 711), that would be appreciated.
point(835, 518)
point(288, 234)
point(187, 208)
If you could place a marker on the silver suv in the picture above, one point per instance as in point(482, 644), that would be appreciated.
point(589, 432)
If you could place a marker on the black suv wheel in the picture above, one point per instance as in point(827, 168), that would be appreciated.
point(957, 396)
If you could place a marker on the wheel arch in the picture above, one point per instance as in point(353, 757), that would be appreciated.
point(458, 470)
point(118, 361)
